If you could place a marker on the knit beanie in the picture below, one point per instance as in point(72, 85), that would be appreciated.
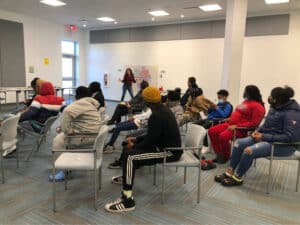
point(151, 95)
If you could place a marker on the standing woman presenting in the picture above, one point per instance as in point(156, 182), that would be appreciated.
point(127, 81)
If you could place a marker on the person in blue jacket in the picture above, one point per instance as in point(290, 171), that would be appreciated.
point(282, 124)
point(217, 112)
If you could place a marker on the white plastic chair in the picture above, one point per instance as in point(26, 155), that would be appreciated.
point(81, 159)
point(295, 156)
point(192, 145)
point(8, 139)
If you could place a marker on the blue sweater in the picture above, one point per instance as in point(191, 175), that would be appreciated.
point(282, 124)
point(223, 111)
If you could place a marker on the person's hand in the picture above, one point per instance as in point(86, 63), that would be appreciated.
point(129, 145)
point(58, 130)
point(120, 79)
point(132, 139)
point(232, 127)
point(131, 118)
point(189, 108)
point(257, 136)
point(127, 104)
point(214, 106)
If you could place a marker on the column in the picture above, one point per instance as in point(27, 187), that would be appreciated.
point(236, 14)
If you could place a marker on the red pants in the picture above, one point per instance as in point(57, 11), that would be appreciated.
point(220, 138)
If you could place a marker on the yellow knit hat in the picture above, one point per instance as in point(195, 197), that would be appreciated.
point(151, 95)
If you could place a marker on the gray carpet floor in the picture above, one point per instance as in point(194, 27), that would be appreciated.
point(26, 197)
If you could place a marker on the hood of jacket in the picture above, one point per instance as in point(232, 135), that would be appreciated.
point(46, 89)
point(290, 105)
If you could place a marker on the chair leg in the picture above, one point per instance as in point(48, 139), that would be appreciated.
point(254, 163)
point(163, 185)
point(298, 174)
point(100, 177)
point(154, 175)
point(2, 168)
point(269, 177)
point(184, 177)
point(54, 187)
point(199, 183)
point(95, 188)
point(17, 156)
point(41, 140)
point(176, 169)
point(66, 180)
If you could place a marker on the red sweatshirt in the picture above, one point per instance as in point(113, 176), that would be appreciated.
point(247, 114)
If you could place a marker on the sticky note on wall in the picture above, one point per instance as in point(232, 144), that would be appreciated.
point(46, 61)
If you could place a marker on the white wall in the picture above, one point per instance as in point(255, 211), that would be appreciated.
point(42, 39)
point(268, 61)
point(180, 59)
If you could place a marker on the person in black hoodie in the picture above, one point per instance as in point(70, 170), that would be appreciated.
point(96, 92)
point(162, 132)
point(282, 124)
point(136, 104)
point(191, 86)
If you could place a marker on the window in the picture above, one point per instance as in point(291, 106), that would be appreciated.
point(69, 59)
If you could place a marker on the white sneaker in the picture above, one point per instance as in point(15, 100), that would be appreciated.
point(108, 149)
point(9, 151)
point(205, 150)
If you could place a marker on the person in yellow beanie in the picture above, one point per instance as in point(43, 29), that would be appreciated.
point(162, 132)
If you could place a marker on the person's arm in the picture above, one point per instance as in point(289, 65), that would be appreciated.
point(133, 79)
point(153, 135)
point(290, 127)
point(256, 117)
point(66, 123)
point(31, 114)
point(225, 112)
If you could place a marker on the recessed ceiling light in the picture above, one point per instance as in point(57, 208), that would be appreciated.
point(84, 25)
point(210, 7)
point(159, 13)
point(106, 19)
point(53, 2)
point(276, 1)
point(115, 22)
point(152, 18)
point(181, 16)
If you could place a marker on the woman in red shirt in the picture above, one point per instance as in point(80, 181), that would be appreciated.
point(247, 114)
point(127, 81)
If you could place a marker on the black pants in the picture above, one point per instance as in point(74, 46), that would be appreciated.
point(134, 158)
point(121, 110)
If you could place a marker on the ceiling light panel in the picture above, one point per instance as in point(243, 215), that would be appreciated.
point(210, 7)
point(54, 3)
point(159, 13)
point(276, 1)
point(106, 19)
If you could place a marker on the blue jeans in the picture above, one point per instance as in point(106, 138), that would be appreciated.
point(125, 88)
point(126, 125)
point(242, 160)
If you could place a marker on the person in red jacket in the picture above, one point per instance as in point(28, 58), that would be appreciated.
point(247, 114)
point(127, 81)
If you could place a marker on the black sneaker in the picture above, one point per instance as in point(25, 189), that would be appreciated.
point(122, 204)
point(110, 122)
point(117, 164)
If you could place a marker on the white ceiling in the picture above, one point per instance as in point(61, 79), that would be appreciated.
point(134, 12)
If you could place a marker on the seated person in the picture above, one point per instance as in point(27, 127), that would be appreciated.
point(282, 124)
point(173, 103)
point(191, 85)
point(248, 114)
point(196, 103)
point(96, 92)
point(133, 123)
point(43, 106)
point(162, 132)
point(80, 117)
point(216, 113)
point(136, 104)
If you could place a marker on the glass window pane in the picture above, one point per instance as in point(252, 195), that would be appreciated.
point(67, 67)
point(67, 84)
point(68, 47)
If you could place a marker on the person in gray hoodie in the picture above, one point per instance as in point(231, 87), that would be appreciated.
point(82, 116)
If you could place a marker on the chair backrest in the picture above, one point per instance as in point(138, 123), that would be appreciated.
point(99, 141)
point(8, 128)
point(48, 124)
point(194, 136)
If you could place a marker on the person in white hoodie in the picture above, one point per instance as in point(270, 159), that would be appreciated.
point(82, 116)
point(138, 121)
